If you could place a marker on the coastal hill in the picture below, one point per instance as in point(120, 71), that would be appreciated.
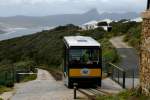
point(46, 47)
point(63, 19)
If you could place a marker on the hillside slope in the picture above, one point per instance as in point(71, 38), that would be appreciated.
point(46, 47)
point(43, 47)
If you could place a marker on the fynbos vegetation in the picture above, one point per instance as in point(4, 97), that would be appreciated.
point(46, 48)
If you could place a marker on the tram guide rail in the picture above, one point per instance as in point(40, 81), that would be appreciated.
point(91, 93)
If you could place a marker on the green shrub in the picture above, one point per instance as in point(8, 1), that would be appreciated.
point(6, 75)
point(108, 51)
point(26, 66)
point(8, 71)
point(133, 36)
point(122, 28)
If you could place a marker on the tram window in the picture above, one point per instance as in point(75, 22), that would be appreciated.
point(86, 56)
point(75, 55)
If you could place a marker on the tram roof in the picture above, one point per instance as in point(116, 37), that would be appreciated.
point(80, 41)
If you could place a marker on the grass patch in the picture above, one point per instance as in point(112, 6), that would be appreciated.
point(133, 37)
point(27, 78)
point(125, 95)
point(4, 89)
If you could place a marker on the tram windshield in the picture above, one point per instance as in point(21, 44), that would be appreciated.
point(84, 56)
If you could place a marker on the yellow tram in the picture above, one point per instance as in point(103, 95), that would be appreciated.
point(82, 61)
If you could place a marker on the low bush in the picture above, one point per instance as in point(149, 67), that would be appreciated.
point(108, 51)
point(125, 95)
point(133, 36)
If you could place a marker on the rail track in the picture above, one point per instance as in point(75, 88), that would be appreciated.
point(91, 93)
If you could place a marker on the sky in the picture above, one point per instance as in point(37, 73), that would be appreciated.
point(52, 7)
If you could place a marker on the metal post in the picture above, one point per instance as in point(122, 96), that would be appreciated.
point(148, 4)
point(118, 76)
point(75, 90)
point(124, 76)
point(133, 79)
point(17, 78)
point(112, 76)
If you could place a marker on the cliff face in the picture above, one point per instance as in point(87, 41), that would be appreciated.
point(145, 55)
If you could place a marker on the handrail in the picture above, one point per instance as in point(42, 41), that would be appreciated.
point(121, 69)
point(123, 73)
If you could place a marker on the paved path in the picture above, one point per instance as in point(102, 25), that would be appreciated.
point(46, 88)
point(43, 88)
point(129, 57)
point(110, 86)
point(129, 61)
point(130, 83)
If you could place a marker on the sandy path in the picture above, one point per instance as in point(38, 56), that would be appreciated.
point(43, 88)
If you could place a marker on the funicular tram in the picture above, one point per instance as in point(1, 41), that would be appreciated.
point(82, 61)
